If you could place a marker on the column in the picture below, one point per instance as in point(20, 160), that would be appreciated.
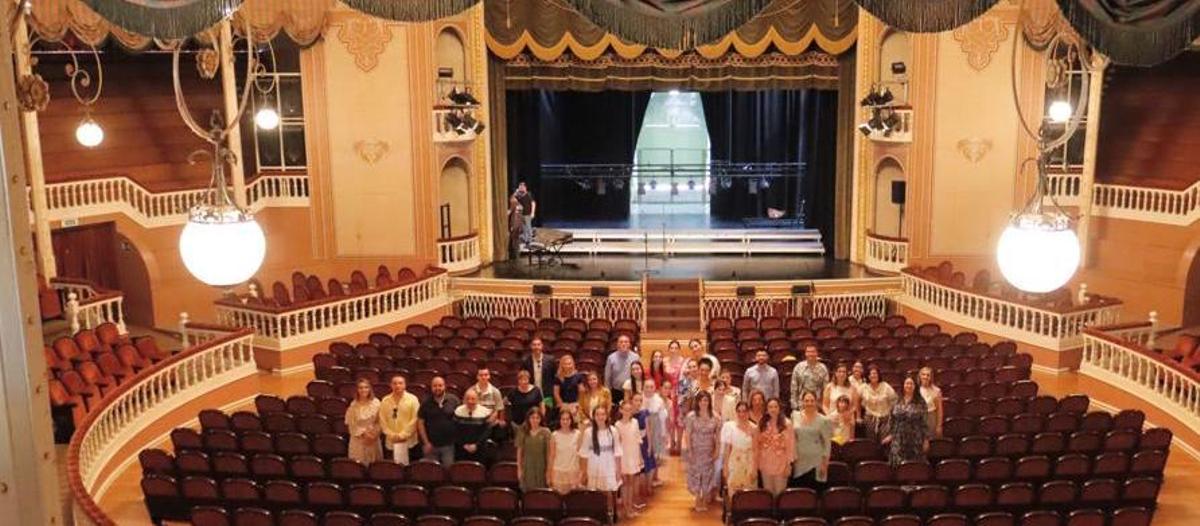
point(33, 163)
point(1091, 140)
point(237, 174)
point(28, 474)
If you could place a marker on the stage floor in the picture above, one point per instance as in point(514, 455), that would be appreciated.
point(651, 221)
point(722, 268)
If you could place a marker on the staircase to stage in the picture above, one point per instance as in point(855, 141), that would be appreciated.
point(672, 308)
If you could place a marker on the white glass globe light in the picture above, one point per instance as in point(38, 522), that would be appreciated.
point(222, 246)
point(89, 134)
point(1060, 111)
point(1038, 253)
point(266, 119)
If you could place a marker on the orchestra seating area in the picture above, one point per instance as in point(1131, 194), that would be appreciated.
point(309, 288)
point(91, 363)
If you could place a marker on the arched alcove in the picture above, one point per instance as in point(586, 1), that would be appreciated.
point(455, 191)
point(887, 213)
point(893, 48)
point(452, 54)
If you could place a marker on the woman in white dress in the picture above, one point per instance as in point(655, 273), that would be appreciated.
point(563, 459)
point(600, 455)
point(362, 420)
point(877, 397)
point(838, 387)
point(933, 400)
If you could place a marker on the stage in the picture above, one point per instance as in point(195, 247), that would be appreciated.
point(716, 267)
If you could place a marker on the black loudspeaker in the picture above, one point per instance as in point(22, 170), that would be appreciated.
point(543, 290)
point(898, 189)
point(802, 289)
point(599, 292)
point(745, 291)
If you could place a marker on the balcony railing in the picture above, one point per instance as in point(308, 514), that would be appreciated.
point(1118, 356)
point(459, 254)
point(281, 328)
point(886, 254)
point(122, 195)
point(1051, 329)
point(1156, 205)
point(853, 298)
point(138, 403)
point(87, 306)
point(490, 298)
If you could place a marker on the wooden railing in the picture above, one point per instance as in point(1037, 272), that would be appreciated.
point(140, 401)
point(86, 305)
point(490, 298)
point(1116, 355)
point(826, 298)
point(886, 254)
point(1157, 205)
point(1051, 329)
point(289, 327)
point(459, 254)
point(122, 195)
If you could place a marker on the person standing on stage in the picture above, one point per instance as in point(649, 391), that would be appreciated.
point(528, 210)
point(516, 228)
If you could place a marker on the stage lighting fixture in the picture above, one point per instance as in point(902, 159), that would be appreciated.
point(865, 129)
point(1060, 111)
point(885, 97)
point(876, 123)
point(454, 122)
point(601, 187)
point(726, 182)
point(891, 124)
point(691, 184)
point(619, 184)
point(641, 188)
point(764, 183)
point(869, 100)
point(674, 188)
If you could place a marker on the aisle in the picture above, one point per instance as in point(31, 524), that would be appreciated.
point(672, 504)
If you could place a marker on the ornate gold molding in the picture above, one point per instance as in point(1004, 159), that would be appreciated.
point(372, 152)
point(980, 39)
point(366, 38)
point(974, 149)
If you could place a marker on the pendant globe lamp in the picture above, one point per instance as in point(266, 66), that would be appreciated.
point(1038, 250)
point(221, 244)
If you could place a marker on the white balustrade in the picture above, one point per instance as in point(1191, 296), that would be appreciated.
point(86, 307)
point(1110, 357)
point(593, 307)
point(458, 255)
point(1157, 205)
point(886, 254)
point(485, 305)
point(122, 195)
point(444, 132)
point(724, 306)
point(1064, 188)
point(291, 327)
point(1057, 330)
point(852, 305)
point(138, 403)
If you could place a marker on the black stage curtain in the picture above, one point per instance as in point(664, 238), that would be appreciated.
point(776, 126)
point(550, 127)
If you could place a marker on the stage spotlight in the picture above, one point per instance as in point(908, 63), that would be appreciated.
point(764, 183)
point(674, 188)
point(891, 124)
point(601, 187)
point(454, 122)
point(726, 182)
point(869, 100)
point(885, 97)
point(898, 68)
point(691, 184)
point(876, 123)
point(865, 129)
point(1060, 111)
point(641, 188)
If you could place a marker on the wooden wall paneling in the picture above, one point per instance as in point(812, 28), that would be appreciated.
point(89, 252)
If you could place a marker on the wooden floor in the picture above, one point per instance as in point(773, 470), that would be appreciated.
point(672, 504)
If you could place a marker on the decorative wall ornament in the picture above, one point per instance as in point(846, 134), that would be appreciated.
point(208, 61)
point(974, 149)
point(980, 40)
point(366, 38)
point(33, 92)
point(372, 152)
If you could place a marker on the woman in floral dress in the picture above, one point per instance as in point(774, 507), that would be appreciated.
point(701, 429)
point(739, 438)
point(909, 431)
point(362, 420)
point(776, 448)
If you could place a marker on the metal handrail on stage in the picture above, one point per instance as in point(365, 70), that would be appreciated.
point(711, 169)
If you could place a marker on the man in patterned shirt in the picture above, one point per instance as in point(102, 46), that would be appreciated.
point(809, 375)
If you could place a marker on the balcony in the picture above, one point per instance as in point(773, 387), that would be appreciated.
point(459, 255)
point(886, 254)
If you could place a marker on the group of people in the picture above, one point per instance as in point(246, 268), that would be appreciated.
point(610, 430)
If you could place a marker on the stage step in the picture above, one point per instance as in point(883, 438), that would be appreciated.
point(672, 305)
point(682, 242)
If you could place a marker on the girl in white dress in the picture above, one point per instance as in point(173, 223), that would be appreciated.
point(564, 445)
point(838, 387)
point(631, 458)
point(600, 455)
point(933, 400)
point(659, 414)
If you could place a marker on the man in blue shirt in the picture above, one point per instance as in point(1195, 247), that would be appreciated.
point(761, 377)
point(616, 368)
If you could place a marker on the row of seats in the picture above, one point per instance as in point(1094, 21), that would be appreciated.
point(309, 288)
point(1011, 445)
point(929, 500)
point(853, 338)
point(999, 470)
point(216, 516)
point(171, 498)
point(766, 323)
point(1131, 516)
point(92, 363)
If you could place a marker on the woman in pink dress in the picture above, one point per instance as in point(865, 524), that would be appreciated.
point(362, 420)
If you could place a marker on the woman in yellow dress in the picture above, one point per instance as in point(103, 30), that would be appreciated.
point(739, 438)
point(594, 394)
